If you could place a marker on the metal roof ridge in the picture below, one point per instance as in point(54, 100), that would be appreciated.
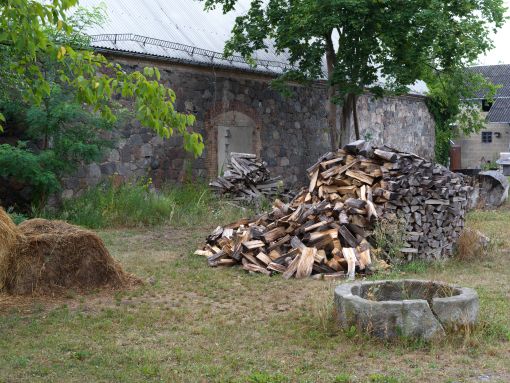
point(486, 65)
point(191, 50)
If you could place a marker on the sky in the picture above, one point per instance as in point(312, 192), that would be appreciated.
point(501, 53)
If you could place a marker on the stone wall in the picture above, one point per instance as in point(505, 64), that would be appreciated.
point(289, 134)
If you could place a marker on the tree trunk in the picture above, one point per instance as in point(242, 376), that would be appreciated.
point(349, 110)
point(332, 107)
point(46, 103)
point(344, 122)
point(354, 100)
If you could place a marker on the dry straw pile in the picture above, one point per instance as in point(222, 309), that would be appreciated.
point(41, 256)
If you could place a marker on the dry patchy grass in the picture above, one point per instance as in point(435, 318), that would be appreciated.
point(196, 324)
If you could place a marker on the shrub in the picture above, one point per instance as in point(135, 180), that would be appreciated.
point(471, 245)
point(389, 238)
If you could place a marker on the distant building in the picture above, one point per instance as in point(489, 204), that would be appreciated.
point(480, 149)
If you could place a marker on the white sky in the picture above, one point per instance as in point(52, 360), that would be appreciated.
point(501, 53)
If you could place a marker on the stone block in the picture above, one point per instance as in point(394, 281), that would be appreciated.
point(67, 194)
point(108, 168)
point(135, 140)
point(146, 151)
point(94, 171)
point(126, 153)
point(113, 155)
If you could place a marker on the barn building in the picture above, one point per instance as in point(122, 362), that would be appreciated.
point(482, 149)
point(234, 105)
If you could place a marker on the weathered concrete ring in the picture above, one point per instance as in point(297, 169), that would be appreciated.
point(411, 308)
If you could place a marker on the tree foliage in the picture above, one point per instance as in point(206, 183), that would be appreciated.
point(24, 34)
point(381, 46)
point(454, 101)
point(54, 135)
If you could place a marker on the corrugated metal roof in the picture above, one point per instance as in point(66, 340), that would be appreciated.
point(500, 111)
point(181, 30)
point(172, 29)
point(498, 75)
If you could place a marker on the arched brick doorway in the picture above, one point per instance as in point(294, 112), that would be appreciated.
point(230, 127)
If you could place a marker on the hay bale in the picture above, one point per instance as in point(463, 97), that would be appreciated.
point(9, 237)
point(54, 255)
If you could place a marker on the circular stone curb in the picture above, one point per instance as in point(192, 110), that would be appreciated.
point(409, 307)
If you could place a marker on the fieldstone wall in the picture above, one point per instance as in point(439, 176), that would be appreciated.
point(290, 134)
point(402, 122)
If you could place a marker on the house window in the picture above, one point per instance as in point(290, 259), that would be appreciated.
point(487, 137)
point(486, 105)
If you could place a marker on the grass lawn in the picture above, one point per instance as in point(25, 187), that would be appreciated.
point(197, 324)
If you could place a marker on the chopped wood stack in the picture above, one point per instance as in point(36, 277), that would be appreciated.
point(246, 178)
point(326, 230)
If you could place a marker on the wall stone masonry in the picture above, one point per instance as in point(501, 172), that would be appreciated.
point(289, 133)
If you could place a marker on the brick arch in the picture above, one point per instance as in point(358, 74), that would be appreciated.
point(211, 130)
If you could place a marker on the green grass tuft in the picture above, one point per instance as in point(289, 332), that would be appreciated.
point(379, 378)
point(136, 205)
point(262, 377)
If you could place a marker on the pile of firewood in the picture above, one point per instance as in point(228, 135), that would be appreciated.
point(327, 230)
point(246, 178)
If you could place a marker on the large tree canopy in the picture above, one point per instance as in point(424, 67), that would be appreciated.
point(375, 45)
point(24, 38)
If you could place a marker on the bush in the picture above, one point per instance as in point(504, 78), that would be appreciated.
point(471, 245)
point(18, 163)
point(389, 238)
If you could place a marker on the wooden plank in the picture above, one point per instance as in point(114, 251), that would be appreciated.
point(347, 236)
point(256, 269)
point(279, 243)
point(359, 175)
point(333, 276)
point(364, 259)
point(255, 244)
point(387, 156)
point(272, 235)
point(227, 262)
point(276, 267)
point(354, 147)
point(318, 235)
point(347, 189)
point(291, 269)
point(274, 254)
point(313, 180)
point(316, 226)
point(263, 258)
point(437, 202)
point(204, 253)
point(320, 256)
point(306, 260)
point(337, 170)
point(324, 164)
point(350, 257)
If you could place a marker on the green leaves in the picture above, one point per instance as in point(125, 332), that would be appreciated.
point(396, 40)
point(24, 166)
point(450, 101)
point(39, 34)
point(378, 45)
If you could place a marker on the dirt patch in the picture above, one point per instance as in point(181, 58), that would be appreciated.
point(48, 257)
